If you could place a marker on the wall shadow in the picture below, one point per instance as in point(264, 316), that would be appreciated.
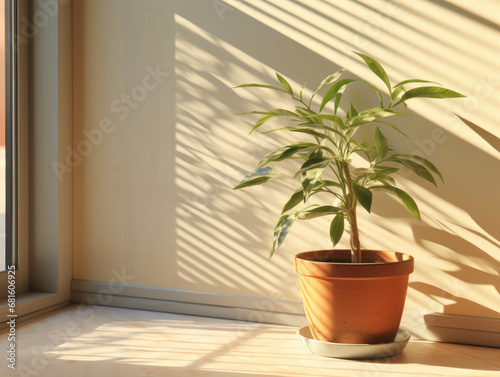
point(220, 237)
point(230, 44)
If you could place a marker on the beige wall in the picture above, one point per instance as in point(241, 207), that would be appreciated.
point(152, 188)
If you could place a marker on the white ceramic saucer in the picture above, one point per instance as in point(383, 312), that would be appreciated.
point(353, 351)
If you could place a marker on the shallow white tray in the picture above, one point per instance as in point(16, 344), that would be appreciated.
point(353, 351)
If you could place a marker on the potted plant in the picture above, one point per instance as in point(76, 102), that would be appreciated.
point(350, 296)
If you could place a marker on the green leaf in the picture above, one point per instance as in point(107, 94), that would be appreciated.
point(352, 112)
point(429, 92)
point(318, 212)
point(381, 143)
point(337, 229)
point(405, 198)
point(369, 115)
point(334, 91)
point(301, 111)
point(377, 92)
point(418, 169)
point(281, 231)
point(317, 153)
point(313, 164)
point(385, 179)
point(399, 84)
point(285, 84)
point(335, 119)
point(306, 130)
point(363, 147)
point(260, 86)
point(392, 126)
point(312, 126)
point(331, 183)
point(309, 182)
point(285, 152)
point(296, 198)
point(309, 115)
point(275, 112)
point(302, 90)
point(315, 129)
point(376, 68)
point(382, 178)
point(261, 121)
point(426, 162)
point(396, 92)
point(258, 177)
point(338, 97)
point(292, 149)
point(363, 195)
point(332, 78)
point(268, 115)
point(385, 169)
point(360, 172)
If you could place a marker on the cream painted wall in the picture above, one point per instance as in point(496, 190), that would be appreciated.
point(157, 149)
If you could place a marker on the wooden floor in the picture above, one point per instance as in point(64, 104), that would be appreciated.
point(98, 341)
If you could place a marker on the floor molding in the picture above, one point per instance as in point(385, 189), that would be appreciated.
point(242, 308)
point(34, 314)
point(440, 327)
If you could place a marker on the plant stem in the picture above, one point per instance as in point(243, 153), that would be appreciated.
point(355, 244)
point(351, 217)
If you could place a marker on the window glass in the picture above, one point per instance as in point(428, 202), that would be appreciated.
point(2, 139)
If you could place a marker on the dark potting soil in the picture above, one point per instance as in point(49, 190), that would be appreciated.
point(330, 260)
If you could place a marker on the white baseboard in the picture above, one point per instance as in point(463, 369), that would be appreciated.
point(253, 309)
point(448, 328)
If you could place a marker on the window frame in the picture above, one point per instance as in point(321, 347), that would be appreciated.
point(11, 79)
point(44, 204)
point(16, 147)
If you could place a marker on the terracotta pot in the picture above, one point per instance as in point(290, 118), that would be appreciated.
point(356, 303)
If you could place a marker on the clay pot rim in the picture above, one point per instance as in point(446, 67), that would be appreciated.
point(398, 264)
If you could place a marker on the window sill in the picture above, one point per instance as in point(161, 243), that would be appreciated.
point(29, 305)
